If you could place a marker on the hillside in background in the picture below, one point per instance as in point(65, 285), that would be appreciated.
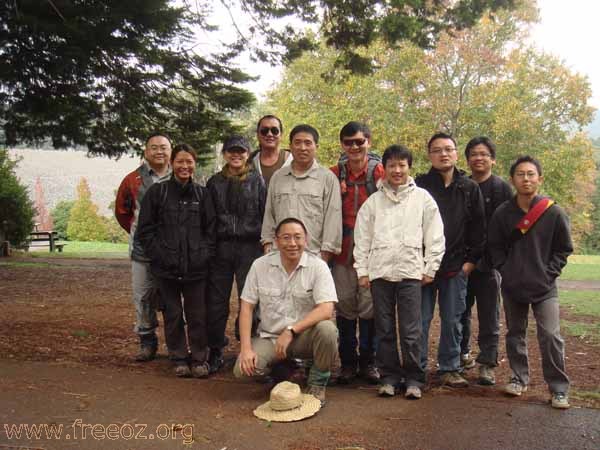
point(60, 172)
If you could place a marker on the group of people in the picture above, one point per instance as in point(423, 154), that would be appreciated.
point(336, 266)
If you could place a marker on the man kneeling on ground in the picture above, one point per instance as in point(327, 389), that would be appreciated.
point(296, 295)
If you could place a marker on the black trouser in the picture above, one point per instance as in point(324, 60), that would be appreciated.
point(234, 258)
point(403, 298)
point(483, 287)
point(194, 307)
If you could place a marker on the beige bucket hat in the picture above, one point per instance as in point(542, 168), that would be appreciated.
point(287, 403)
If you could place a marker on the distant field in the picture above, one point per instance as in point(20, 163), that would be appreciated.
point(582, 267)
point(60, 172)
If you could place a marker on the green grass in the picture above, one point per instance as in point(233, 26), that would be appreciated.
point(582, 267)
point(586, 331)
point(585, 395)
point(585, 303)
point(79, 249)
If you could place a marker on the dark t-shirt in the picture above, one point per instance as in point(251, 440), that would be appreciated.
point(492, 198)
point(268, 171)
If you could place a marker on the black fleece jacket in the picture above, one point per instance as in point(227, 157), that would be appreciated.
point(177, 230)
point(463, 214)
point(529, 263)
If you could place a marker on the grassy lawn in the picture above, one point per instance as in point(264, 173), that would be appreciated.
point(582, 267)
point(585, 303)
point(79, 249)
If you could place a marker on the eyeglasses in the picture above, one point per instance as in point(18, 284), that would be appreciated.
point(440, 150)
point(287, 238)
point(265, 131)
point(350, 142)
point(480, 155)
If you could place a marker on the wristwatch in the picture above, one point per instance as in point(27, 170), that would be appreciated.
point(290, 328)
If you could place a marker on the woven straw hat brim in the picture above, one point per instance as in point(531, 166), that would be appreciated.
point(309, 407)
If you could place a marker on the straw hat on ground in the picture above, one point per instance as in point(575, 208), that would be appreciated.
point(287, 403)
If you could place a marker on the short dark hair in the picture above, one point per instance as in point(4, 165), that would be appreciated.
point(269, 116)
point(351, 128)
point(397, 151)
point(184, 148)
point(304, 128)
point(158, 134)
point(440, 135)
point(525, 159)
point(289, 220)
point(481, 140)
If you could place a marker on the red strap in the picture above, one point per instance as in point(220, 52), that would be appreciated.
point(534, 214)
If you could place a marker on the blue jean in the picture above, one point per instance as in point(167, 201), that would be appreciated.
point(367, 343)
point(451, 293)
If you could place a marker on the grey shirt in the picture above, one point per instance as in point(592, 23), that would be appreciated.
point(314, 198)
point(286, 299)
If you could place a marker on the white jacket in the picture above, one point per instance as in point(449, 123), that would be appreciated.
point(398, 235)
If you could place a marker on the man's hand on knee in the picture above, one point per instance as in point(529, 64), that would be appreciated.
point(248, 360)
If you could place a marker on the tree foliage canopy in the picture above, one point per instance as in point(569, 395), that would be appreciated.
point(105, 74)
point(481, 81)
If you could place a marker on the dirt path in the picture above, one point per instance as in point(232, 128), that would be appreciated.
point(65, 354)
point(217, 414)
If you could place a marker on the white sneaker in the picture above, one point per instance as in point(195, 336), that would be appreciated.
point(514, 388)
point(413, 392)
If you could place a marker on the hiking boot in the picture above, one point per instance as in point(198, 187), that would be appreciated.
point(486, 375)
point(370, 373)
point(215, 360)
point(514, 388)
point(318, 392)
point(182, 370)
point(560, 400)
point(200, 370)
point(453, 379)
point(347, 375)
point(413, 392)
point(467, 361)
point(146, 353)
point(386, 390)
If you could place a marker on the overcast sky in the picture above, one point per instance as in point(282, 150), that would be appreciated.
point(570, 30)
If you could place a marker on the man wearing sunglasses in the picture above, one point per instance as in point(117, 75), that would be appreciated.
point(461, 207)
point(359, 172)
point(269, 157)
point(309, 192)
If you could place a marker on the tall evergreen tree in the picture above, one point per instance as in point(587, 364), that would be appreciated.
point(106, 73)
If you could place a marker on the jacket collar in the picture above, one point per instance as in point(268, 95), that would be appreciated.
point(399, 194)
point(312, 172)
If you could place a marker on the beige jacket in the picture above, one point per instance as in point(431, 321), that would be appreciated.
point(398, 235)
point(314, 198)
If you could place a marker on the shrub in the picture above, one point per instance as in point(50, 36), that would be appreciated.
point(16, 208)
point(60, 216)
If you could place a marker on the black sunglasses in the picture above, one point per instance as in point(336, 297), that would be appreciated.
point(274, 131)
point(357, 142)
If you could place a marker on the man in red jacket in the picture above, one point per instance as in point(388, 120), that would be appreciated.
point(154, 168)
point(359, 172)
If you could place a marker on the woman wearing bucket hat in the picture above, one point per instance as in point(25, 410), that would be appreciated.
point(288, 404)
point(239, 195)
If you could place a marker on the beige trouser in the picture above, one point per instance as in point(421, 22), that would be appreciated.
point(318, 343)
point(353, 301)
